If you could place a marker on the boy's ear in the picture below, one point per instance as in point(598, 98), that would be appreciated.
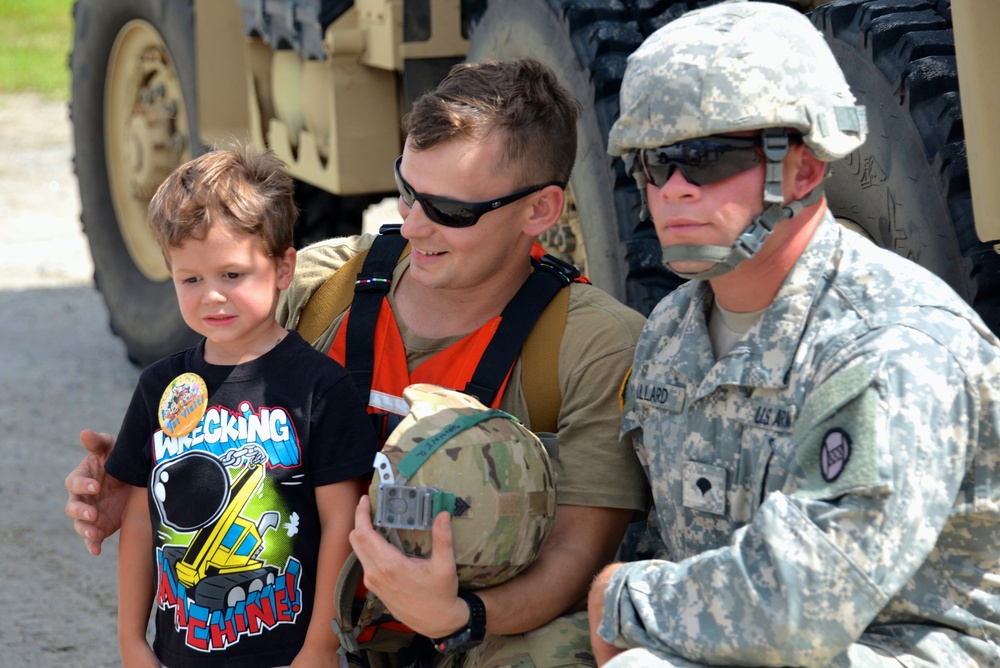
point(286, 267)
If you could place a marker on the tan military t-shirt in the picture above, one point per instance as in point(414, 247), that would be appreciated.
point(594, 467)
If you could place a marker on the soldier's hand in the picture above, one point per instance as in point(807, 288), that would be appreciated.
point(603, 650)
point(96, 500)
point(420, 592)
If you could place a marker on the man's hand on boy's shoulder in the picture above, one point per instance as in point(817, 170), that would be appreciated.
point(90, 488)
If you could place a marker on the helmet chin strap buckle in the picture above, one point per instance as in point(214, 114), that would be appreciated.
point(753, 237)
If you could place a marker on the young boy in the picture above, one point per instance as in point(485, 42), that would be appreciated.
point(254, 447)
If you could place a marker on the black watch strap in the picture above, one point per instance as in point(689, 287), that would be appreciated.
point(472, 633)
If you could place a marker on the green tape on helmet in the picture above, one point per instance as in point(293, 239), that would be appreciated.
point(492, 474)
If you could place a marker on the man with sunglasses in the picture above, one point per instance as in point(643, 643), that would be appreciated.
point(819, 418)
point(487, 155)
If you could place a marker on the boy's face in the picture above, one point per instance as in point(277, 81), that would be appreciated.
point(227, 289)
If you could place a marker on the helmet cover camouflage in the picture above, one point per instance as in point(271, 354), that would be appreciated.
point(735, 67)
point(497, 470)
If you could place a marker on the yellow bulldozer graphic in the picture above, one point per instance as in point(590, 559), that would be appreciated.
point(220, 564)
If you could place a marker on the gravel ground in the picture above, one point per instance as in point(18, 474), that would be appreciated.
point(63, 371)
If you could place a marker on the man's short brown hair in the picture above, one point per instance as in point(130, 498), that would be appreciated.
point(520, 101)
point(240, 187)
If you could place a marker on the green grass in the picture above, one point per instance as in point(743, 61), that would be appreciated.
point(35, 40)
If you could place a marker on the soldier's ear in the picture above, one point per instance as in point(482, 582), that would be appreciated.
point(808, 171)
point(546, 207)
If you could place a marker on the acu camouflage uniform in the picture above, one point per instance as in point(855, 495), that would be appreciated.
point(828, 492)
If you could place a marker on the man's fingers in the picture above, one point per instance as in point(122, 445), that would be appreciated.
point(373, 551)
point(82, 479)
point(96, 442)
point(88, 530)
point(80, 484)
point(363, 514)
point(94, 547)
point(443, 544)
point(77, 509)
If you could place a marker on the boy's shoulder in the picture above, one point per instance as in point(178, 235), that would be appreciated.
point(301, 358)
point(174, 363)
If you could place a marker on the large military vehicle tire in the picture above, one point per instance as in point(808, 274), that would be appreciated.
point(907, 187)
point(587, 47)
point(134, 120)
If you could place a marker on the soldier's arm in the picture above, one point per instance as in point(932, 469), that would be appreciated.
point(582, 541)
point(823, 555)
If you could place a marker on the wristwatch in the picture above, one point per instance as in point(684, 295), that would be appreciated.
point(472, 633)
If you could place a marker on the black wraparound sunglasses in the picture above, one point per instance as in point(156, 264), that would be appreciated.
point(453, 213)
point(701, 161)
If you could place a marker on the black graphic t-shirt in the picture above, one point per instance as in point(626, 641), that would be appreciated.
point(233, 507)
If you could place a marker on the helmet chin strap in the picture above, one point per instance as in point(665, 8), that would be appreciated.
point(750, 241)
point(746, 245)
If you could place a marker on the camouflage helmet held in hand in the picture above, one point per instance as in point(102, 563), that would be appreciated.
point(735, 67)
point(493, 474)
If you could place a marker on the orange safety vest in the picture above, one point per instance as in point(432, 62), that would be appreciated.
point(372, 349)
point(452, 367)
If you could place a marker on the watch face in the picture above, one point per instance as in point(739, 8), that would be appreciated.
point(455, 641)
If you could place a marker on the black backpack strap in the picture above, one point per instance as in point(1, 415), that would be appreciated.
point(371, 286)
point(517, 319)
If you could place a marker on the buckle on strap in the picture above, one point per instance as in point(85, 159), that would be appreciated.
point(774, 142)
point(372, 284)
point(563, 270)
point(348, 640)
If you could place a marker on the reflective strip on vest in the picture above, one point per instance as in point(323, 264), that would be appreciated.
point(452, 367)
point(388, 403)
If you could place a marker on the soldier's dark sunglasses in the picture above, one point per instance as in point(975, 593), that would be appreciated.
point(453, 213)
point(701, 161)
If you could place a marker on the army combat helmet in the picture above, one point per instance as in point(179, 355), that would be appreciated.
point(730, 68)
point(483, 466)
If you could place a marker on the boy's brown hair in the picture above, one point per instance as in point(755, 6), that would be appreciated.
point(239, 186)
point(521, 101)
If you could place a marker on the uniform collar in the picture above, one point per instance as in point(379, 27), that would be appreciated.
point(764, 356)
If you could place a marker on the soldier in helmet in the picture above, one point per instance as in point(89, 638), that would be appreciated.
point(819, 419)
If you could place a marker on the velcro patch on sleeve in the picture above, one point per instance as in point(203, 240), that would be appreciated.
point(835, 435)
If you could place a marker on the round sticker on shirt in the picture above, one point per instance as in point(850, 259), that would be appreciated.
point(183, 404)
